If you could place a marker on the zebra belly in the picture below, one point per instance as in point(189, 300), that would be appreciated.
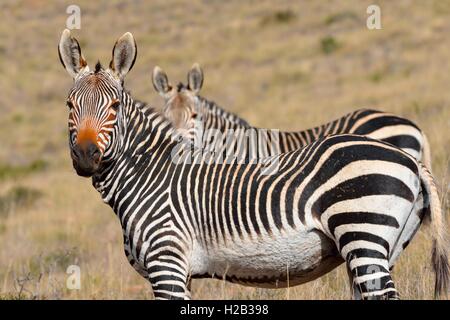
point(277, 261)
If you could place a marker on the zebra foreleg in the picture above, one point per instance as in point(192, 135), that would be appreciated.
point(169, 279)
point(136, 266)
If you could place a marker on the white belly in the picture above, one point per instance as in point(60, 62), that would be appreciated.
point(268, 261)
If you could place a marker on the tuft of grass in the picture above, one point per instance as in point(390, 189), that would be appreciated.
point(441, 7)
point(8, 171)
point(18, 197)
point(329, 44)
point(416, 107)
point(13, 296)
point(289, 77)
point(341, 16)
point(376, 76)
point(279, 17)
point(2, 228)
point(17, 118)
point(57, 260)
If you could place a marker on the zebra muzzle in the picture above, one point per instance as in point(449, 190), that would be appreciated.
point(86, 159)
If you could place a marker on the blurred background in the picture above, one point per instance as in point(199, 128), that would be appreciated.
point(279, 64)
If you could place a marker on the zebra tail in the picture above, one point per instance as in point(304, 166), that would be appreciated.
point(439, 233)
point(426, 153)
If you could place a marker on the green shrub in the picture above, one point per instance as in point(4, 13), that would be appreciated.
point(8, 171)
point(338, 17)
point(18, 197)
point(279, 17)
point(329, 45)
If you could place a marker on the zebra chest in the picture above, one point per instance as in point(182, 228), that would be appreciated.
point(294, 257)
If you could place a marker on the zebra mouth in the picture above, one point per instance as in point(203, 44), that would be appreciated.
point(84, 168)
point(85, 172)
point(86, 159)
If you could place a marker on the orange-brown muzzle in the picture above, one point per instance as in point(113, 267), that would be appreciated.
point(86, 155)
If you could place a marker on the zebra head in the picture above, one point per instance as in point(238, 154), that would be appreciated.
point(95, 102)
point(182, 104)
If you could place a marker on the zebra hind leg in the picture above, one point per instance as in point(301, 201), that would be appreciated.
point(370, 276)
point(354, 290)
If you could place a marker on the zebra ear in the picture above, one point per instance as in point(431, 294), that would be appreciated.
point(160, 81)
point(70, 54)
point(123, 55)
point(195, 78)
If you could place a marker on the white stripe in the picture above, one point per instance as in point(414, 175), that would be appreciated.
point(362, 244)
point(370, 276)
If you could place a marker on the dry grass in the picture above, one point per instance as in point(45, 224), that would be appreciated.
point(279, 64)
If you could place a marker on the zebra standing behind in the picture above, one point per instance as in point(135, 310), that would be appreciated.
point(188, 111)
point(342, 198)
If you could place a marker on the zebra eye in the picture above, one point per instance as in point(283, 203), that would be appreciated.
point(69, 104)
point(194, 116)
point(115, 105)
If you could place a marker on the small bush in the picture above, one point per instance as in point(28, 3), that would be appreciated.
point(279, 17)
point(338, 17)
point(329, 45)
point(18, 118)
point(2, 228)
point(376, 77)
point(8, 171)
point(18, 197)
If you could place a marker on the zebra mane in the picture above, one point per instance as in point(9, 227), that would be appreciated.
point(215, 109)
point(181, 86)
point(149, 111)
point(98, 67)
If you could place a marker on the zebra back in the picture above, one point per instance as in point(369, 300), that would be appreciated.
point(203, 115)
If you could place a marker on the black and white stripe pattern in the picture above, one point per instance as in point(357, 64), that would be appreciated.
point(195, 110)
point(342, 198)
point(99, 110)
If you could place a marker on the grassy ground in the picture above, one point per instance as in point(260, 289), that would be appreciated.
point(279, 64)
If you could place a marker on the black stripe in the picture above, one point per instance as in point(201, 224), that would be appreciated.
point(404, 141)
point(340, 158)
point(380, 122)
point(348, 237)
point(360, 217)
point(364, 253)
point(368, 269)
point(366, 185)
point(376, 284)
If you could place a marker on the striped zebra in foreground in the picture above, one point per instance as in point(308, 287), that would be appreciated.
point(187, 109)
point(343, 198)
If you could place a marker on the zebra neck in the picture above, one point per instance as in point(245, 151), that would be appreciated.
point(148, 138)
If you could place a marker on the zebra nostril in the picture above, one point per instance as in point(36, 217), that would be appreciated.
point(93, 152)
point(96, 156)
point(76, 152)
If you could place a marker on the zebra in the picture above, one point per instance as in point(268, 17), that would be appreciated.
point(186, 109)
point(341, 199)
